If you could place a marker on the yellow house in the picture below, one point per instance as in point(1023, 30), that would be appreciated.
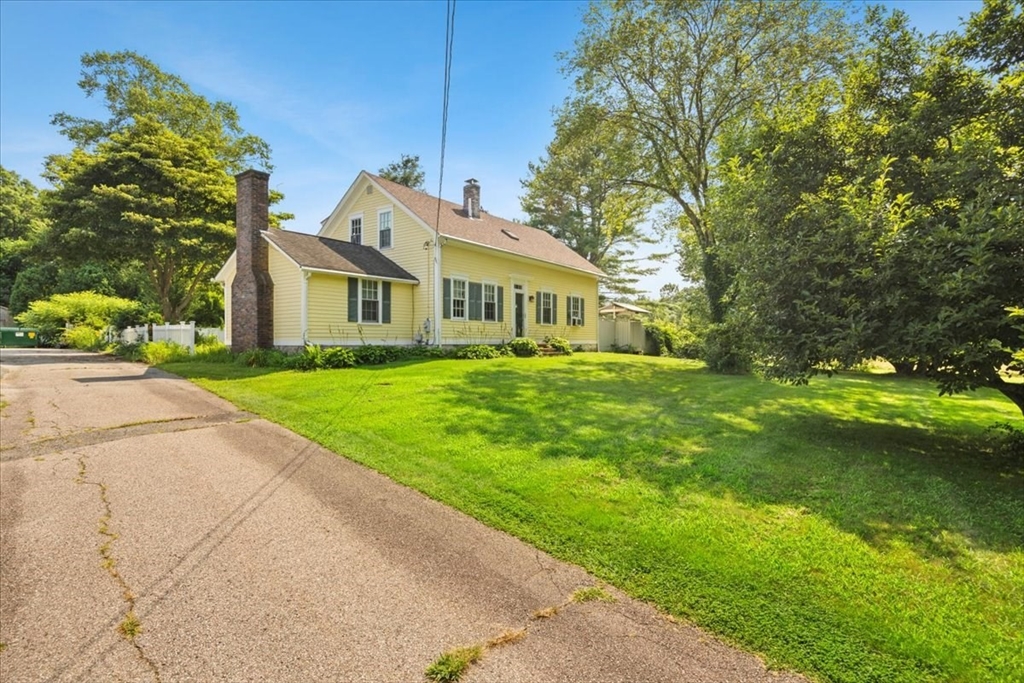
point(392, 265)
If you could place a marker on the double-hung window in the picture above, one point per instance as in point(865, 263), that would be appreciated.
point(490, 303)
point(370, 301)
point(458, 299)
point(355, 225)
point(384, 229)
point(547, 308)
point(575, 312)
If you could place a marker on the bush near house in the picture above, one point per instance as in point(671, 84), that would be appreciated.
point(88, 310)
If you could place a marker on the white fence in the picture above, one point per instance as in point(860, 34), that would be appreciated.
point(621, 332)
point(183, 334)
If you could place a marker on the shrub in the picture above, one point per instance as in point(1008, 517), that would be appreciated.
point(370, 354)
point(155, 353)
point(670, 339)
point(83, 337)
point(727, 350)
point(560, 344)
point(131, 352)
point(212, 351)
point(82, 309)
point(262, 358)
point(310, 358)
point(478, 352)
point(524, 347)
point(1007, 441)
point(338, 357)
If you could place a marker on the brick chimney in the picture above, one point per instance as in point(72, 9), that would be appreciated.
point(471, 198)
point(252, 290)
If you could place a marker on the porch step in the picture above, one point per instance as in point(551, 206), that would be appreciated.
point(547, 350)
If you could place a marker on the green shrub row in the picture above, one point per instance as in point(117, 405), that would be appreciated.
point(314, 357)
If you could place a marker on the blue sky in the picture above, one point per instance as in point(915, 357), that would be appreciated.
point(334, 88)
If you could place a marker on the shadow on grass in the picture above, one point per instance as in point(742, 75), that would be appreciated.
point(885, 460)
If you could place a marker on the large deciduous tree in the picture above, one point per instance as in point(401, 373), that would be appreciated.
point(149, 188)
point(677, 74)
point(151, 195)
point(883, 215)
point(132, 86)
point(576, 194)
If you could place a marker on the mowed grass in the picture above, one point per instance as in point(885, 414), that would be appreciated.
point(855, 529)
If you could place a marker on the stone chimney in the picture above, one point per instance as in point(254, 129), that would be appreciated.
point(471, 198)
point(252, 291)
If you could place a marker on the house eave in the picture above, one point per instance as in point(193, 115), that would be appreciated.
point(347, 273)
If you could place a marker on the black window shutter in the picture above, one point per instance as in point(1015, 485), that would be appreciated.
point(353, 299)
point(447, 298)
point(554, 309)
point(583, 307)
point(476, 301)
point(538, 308)
point(385, 302)
point(501, 304)
point(568, 310)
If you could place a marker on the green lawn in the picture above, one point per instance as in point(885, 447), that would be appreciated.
point(854, 530)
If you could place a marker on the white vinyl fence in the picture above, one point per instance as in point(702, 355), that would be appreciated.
point(621, 332)
point(182, 333)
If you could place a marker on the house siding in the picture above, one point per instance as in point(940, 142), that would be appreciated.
point(408, 238)
point(328, 314)
point(478, 265)
point(287, 299)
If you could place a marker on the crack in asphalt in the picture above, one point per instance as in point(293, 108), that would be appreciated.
point(512, 636)
point(130, 625)
point(91, 437)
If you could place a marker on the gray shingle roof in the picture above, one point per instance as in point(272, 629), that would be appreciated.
point(488, 230)
point(323, 253)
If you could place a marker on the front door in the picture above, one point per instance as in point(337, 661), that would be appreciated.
point(520, 314)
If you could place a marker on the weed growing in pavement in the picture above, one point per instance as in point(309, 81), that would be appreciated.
point(450, 666)
point(130, 626)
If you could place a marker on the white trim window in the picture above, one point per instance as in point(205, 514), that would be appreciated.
point(384, 228)
point(490, 303)
point(547, 308)
point(575, 311)
point(369, 301)
point(459, 299)
point(355, 229)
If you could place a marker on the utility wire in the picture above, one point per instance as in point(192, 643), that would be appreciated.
point(449, 40)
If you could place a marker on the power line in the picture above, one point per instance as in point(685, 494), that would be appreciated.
point(449, 40)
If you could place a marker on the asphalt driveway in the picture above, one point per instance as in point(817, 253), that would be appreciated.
point(150, 531)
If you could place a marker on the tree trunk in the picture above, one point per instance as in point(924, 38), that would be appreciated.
point(716, 283)
point(1014, 392)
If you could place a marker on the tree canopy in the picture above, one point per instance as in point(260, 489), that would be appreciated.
point(677, 75)
point(882, 214)
point(151, 195)
point(406, 171)
point(576, 194)
point(132, 86)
